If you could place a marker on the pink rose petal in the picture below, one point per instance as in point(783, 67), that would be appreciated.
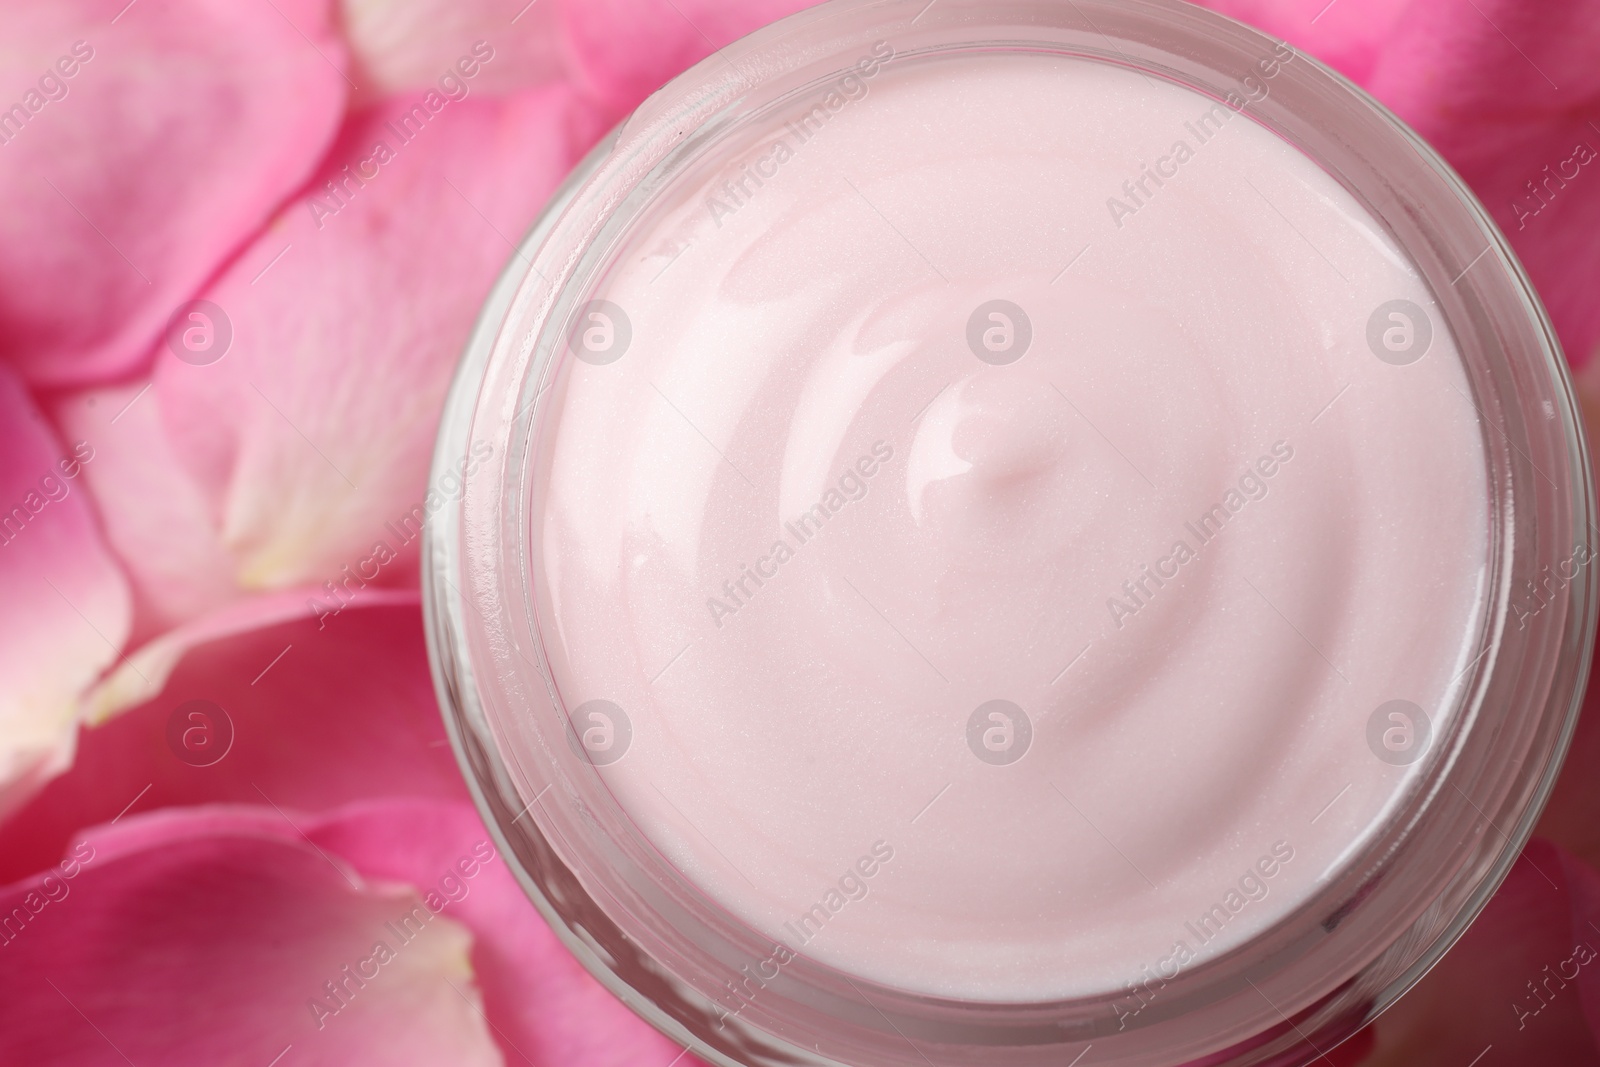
point(1348, 35)
point(1505, 89)
point(544, 1005)
point(65, 604)
point(153, 511)
point(142, 674)
point(1479, 996)
point(161, 524)
point(311, 437)
point(318, 717)
point(182, 125)
point(222, 936)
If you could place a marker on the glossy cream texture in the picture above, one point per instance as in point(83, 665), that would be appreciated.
point(1199, 374)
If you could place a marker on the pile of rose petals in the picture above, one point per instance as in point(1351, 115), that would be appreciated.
point(241, 248)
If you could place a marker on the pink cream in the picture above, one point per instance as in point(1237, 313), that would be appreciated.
point(819, 514)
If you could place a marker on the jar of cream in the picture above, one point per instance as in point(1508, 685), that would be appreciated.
point(1016, 532)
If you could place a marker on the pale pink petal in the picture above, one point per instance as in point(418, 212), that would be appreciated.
point(64, 605)
point(183, 124)
point(205, 937)
point(312, 717)
point(153, 511)
point(545, 1007)
point(1489, 991)
point(456, 46)
point(142, 674)
point(312, 436)
point(624, 50)
point(184, 579)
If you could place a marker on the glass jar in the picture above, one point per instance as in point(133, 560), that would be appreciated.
point(672, 948)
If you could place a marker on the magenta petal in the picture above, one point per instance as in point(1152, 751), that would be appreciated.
point(545, 1007)
point(312, 717)
point(1488, 993)
point(64, 604)
point(1509, 92)
point(143, 674)
point(222, 936)
point(241, 916)
point(181, 126)
point(311, 437)
point(1348, 35)
point(1583, 883)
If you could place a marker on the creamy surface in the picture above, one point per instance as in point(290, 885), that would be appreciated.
point(1199, 374)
